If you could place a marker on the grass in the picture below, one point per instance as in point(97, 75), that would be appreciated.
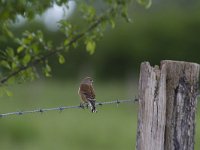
point(112, 128)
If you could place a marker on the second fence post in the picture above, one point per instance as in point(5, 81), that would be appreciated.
point(167, 103)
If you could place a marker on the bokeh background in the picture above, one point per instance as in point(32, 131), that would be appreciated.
point(168, 30)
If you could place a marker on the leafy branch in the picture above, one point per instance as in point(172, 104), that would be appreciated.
point(59, 49)
point(19, 62)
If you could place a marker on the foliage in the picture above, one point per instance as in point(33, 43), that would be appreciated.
point(149, 38)
point(146, 3)
point(29, 53)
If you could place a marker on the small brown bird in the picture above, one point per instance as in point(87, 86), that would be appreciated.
point(87, 94)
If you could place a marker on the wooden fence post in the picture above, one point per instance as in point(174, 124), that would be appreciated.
point(167, 103)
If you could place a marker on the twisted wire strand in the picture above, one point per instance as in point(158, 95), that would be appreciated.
point(64, 107)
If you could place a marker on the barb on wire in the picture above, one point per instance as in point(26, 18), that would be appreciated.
point(64, 107)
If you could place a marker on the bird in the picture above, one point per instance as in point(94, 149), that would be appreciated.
point(87, 94)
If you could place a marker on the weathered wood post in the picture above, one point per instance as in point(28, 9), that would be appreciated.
point(167, 103)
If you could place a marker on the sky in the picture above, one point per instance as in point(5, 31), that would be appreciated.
point(52, 16)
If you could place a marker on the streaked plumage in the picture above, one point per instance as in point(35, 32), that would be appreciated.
point(87, 94)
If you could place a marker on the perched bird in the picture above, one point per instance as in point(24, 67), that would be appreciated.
point(87, 94)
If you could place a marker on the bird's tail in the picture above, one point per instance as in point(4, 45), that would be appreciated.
point(92, 105)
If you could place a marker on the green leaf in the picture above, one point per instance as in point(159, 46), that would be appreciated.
point(47, 70)
point(26, 59)
point(125, 14)
point(11, 80)
point(49, 44)
point(8, 93)
point(90, 46)
point(9, 33)
point(40, 36)
point(88, 11)
point(91, 13)
point(145, 3)
point(35, 48)
point(61, 59)
point(10, 52)
point(66, 42)
point(6, 30)
point(75, 44)
point(20, 49)
point(112, 23)
point(4, 90)
point(14, 65)
point(5, 64)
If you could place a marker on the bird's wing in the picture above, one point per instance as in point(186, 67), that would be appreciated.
point(88, 91)
point(92, 92)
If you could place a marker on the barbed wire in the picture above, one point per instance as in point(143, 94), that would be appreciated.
point(64, 107)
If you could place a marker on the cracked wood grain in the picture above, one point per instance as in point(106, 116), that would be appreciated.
point(182, 87)
point(167, 104)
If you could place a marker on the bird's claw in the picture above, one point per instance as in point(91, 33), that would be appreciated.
point(81, 106)
point(87, 106)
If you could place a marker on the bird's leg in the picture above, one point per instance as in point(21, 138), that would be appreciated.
point(82, 106)
point(92, 105)
point(87, 105)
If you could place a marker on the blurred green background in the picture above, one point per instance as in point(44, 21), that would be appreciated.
point(113, 127)
point(168, 30)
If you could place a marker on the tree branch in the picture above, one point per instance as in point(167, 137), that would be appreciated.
point(53, 52)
